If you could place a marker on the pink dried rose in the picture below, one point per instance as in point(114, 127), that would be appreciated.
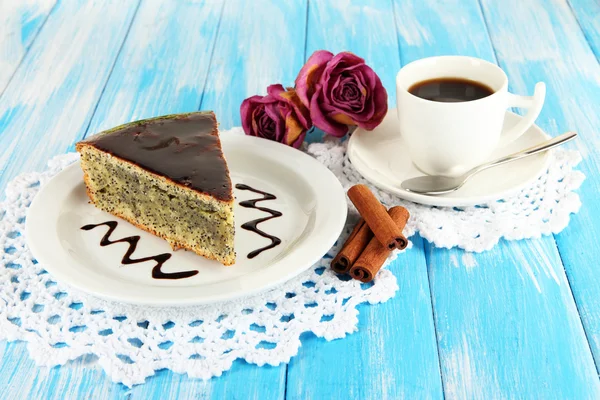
point(278, 116)
point(341, 90)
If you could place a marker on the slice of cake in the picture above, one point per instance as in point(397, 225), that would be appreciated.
point(168, 176)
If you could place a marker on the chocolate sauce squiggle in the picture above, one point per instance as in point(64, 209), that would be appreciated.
point(252, 226)
point(133, 241)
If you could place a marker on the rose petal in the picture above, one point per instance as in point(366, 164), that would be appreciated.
point(329, 89)
point(344, 60)
point(294, 133)
point(351, 90)
point(337, 81)
point(310, 74)
point(337, 65)
point(246, 110)
point(340, 100)
point(257, 114)
point(343, 119)
point(380, 104)
point(333, 75)
point(366, 112)
point(356, 71)
point(291, 98)
point(275, 90)
point(321, 121)
point(368, 76)
point(378, 98)
point(266, 127)
point(272, 111)
point(360, 82)
point(342, 66)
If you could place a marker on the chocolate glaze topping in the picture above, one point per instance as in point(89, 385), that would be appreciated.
point(184, 148)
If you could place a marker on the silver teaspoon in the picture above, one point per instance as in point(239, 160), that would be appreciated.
point(436, 184)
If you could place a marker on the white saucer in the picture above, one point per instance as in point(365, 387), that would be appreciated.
point(310, 197)
point(381, 156)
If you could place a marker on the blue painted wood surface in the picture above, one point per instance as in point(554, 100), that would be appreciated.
point(520, 321)
point(66, 68)
point(587, 13)
point(20, 23)
point(567, 64)
point(381, 361)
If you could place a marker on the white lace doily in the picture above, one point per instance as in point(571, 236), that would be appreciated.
point(542, 208)
point(131, 342)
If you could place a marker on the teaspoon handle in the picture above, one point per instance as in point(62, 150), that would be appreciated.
point(556, 141)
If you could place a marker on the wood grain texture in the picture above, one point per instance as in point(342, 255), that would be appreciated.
point(565, 61)
point(432, 28)
point(65, 69)
point(507, 324)
point(242, 381)
point(20, 378)
point(587, 13)
point(393, 355)
point(51, 98)
point(507, 321)
point(260, 43)
point(163, 65)
point(20, 22)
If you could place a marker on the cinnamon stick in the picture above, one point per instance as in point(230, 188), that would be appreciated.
point(372, 258)
point(353, 246)
point(375, 215)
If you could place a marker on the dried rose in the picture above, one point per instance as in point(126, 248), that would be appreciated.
point(340, 91)
point(278, 116)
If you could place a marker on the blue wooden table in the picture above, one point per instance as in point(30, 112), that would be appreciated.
point(520, 321)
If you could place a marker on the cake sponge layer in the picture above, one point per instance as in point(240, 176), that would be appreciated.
point(184, 217)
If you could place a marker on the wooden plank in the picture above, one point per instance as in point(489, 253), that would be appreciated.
point(20, 378)
point(83, 378)
point(242, 381)
point(587, 13)
point(62, 71)
point(429, 28)
point(563, 59)
point(507, 324)
point(20, 22)
point(50, 100)
point(393, 354)
point(161, 70)
point(260, 42)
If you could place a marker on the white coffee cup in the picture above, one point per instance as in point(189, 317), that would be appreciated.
point(451, 138)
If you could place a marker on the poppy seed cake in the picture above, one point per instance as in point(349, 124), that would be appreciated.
point(168, 176)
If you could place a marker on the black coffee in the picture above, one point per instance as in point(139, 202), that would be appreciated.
point(450, 90)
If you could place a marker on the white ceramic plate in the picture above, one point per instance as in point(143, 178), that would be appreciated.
point(381, 156)
point(310, 197)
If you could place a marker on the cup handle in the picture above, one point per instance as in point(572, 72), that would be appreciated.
point(533, 103)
